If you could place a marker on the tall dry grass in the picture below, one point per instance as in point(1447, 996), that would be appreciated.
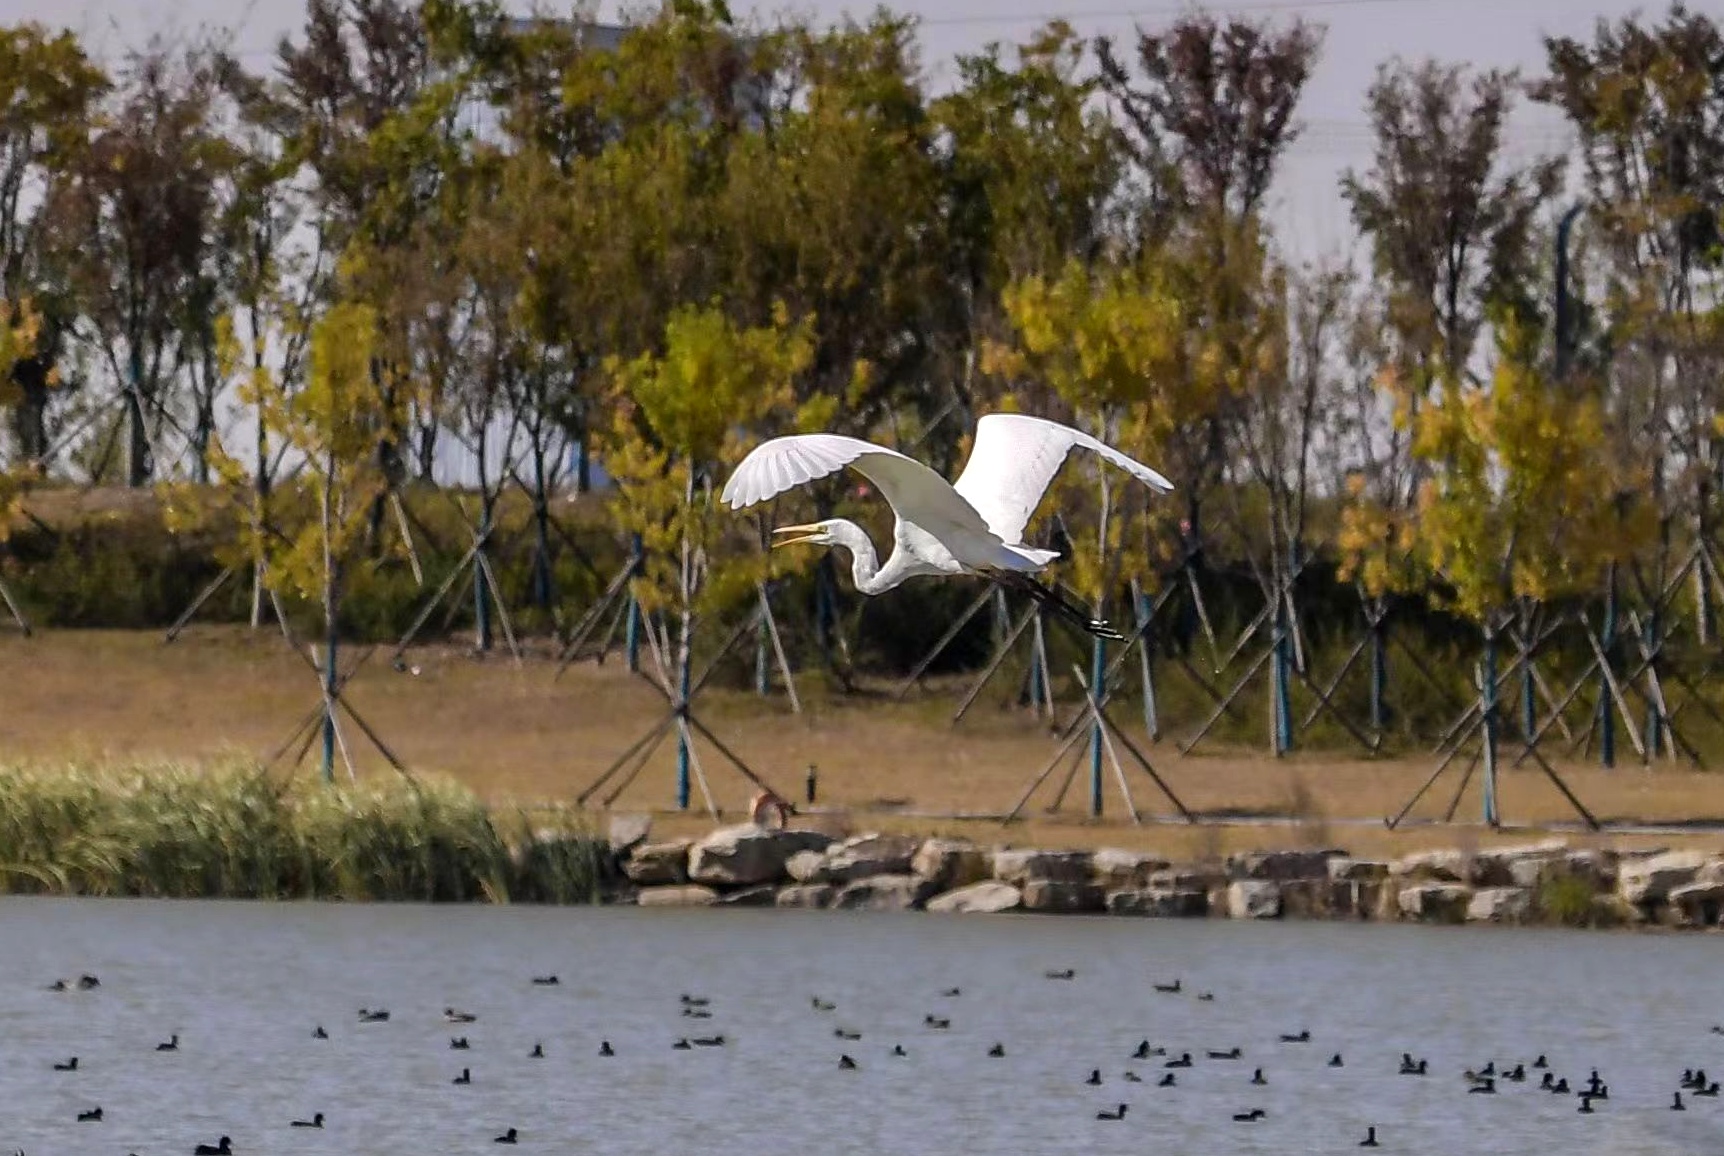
point(225, 831)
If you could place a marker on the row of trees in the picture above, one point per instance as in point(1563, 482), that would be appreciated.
point(431, 230)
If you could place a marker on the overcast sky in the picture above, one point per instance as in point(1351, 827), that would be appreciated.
point(1308, 211)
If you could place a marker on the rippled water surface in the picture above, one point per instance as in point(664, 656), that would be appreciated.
point(245, 984)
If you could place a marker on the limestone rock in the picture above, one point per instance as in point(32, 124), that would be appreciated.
point(1020, 867)
point(1059, 898)
point(950, 863)
point(626, 832)
point(1345, 869)
point(1254, 899)
point(1499, 905)
point(1278, 865)
point(1159, 902)
point(883, 893)
point(1698, 904)
point(988, 896)
point(747, 854)
point(1191, 877)
point(811, 895)
point(1435, 902)
point(1651, 879)
point(692, 895)
point(1437, 866)
point(806, 867)
point(1306, 898)
point(1596, 868)
point(657, 864)
point(867, 855)
point(1118, 870)
point(1357, 898)
point(1498, 866)
point(760, 895)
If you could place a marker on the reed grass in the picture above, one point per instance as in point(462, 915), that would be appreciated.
point(177, 830)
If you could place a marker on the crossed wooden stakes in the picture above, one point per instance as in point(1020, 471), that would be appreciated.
point(476, 563)
point(1040, 694)
point(333, 703)
point(1478, 730)
point(680, 717)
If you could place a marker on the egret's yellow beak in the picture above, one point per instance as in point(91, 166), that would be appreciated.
point(808, 534)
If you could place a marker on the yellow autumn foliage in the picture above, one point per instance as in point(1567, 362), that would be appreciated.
point(20, 330)
point(1519, 503)
point(1112, 342)
point(680, 419)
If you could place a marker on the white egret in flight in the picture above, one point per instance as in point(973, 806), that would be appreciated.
point(972, 526)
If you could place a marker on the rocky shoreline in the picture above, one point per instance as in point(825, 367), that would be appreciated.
point(1543, 883)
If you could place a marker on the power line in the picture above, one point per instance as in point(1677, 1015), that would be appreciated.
point(1269, 6)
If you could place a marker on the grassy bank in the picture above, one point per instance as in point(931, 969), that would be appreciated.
point(226, 831)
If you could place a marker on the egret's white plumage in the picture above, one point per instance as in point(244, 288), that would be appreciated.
point(1014, 461)
point(973, 526)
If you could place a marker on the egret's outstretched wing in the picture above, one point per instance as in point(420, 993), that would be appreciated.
point(917, 493)
point(1014, 459)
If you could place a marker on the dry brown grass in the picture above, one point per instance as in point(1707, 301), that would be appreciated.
point(520, 734)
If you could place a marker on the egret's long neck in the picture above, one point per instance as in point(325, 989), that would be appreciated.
point(864, 562)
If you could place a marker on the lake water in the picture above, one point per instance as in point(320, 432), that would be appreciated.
point(244, 985)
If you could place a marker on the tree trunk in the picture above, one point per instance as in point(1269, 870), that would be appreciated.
point(542, 592)
point(138, 464)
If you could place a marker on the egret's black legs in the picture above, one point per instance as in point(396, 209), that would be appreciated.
point(1057, 601)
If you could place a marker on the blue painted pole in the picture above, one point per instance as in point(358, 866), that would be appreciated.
point(1281, 675)
point(1151, 725)
point(762, 680)
point(682, 693)
point(1488, 705)
point(1097, 673)
point(1654, 721)
point(1528, 704)
point(632, 626)
point(1607, 715)
point(1379, 673)
point(329, 693)
point(1038, 685)
point(481, 594)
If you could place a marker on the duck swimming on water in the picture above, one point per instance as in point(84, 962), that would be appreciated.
point(316, 1121)
point(223, 1147)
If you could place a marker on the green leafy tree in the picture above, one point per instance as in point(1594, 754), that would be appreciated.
point(1450, 223)
point(48, 92)
point(1645, 98)
point(677, 417)
point(132, 217)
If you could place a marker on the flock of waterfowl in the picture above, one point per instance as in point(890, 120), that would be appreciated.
point(1492, 1078)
